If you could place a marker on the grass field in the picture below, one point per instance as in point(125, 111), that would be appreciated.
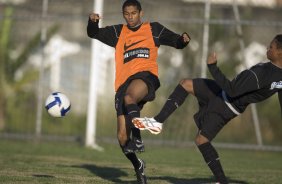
point(56, 163)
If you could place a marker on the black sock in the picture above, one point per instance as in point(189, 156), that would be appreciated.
point(132, 157)
point(212, 159)
point(133, 111)
point(175, 100)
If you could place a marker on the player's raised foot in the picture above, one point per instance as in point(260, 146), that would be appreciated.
point(148, 124)
point(140, 173)
point(134, 146)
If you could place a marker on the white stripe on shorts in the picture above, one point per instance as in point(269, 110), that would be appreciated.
point(228, 103)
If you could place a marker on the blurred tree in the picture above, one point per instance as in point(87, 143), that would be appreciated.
point(9, 65)
point(4, 41)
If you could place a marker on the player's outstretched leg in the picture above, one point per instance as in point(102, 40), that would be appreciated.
point(176, 99)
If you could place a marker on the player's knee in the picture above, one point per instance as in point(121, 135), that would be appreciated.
point(200, 139)
point(129, 99)
point(187, 84)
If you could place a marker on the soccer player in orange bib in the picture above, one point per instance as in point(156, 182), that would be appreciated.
point(136, 50)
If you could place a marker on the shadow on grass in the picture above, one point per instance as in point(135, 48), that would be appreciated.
point(43, 176)
point(107, 173)
point(174, 180)
point(114, 174)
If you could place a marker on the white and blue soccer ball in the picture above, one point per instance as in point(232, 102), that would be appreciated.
point(57, 104)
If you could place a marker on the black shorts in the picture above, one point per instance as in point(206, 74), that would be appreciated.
point(152, 82)
point(213, 113)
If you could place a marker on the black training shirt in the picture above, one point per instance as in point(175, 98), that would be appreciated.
point(110, 34)
point(250, 86)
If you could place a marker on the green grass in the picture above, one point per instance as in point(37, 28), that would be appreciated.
point(56, 163)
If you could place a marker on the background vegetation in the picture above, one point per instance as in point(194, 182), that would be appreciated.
point(20, 27)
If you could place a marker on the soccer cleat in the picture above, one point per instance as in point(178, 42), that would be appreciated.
point(148, 124)
point(134, 146)
point(139, 145)
point(140, 173)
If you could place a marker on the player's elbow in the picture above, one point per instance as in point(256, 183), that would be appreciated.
point(90, 34)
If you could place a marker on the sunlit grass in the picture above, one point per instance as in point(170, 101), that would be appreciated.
point(56, 163)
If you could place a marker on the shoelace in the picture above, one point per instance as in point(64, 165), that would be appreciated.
point(148, 122)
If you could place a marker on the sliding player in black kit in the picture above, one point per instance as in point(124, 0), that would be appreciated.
point(220, 100)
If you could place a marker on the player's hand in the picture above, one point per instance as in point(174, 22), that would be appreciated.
point(94, 17)
point(186, 38)
point(212, 59)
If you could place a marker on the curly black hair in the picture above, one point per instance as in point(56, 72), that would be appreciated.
point(132, 3)
point(278, 40)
